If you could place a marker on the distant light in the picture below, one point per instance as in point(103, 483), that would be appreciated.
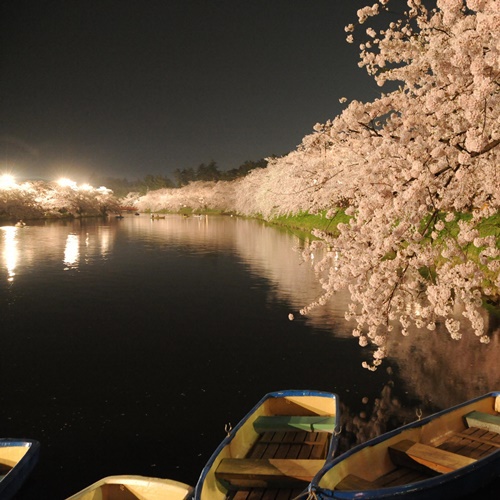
point(7, 181)
point(65, 182)
point(86, 187)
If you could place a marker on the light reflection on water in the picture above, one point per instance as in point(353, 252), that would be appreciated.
point(178, 325)
point(10, 253)
point(72, 251)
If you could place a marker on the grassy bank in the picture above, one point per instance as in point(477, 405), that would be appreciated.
point(308, 222)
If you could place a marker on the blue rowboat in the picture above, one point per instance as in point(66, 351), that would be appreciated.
point(278, 446)
point(17, 459)
point(447, 455)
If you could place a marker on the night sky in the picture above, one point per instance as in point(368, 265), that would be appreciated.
point(128, 88)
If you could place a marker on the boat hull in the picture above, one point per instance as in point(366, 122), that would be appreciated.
point(446, 479)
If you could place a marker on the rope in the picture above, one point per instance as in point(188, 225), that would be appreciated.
point(311, 495)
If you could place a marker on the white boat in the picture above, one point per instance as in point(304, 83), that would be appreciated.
point(134, 487)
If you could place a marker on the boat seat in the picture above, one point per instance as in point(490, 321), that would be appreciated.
point(483, 421)
point(271, 472)
point(287, 423)
point(415, 455)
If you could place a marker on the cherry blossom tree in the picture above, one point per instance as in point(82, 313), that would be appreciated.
point(197, 196)
point(39, 199)
point(417, 169)
point(411, 163)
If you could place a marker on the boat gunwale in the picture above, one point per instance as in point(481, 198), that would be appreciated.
point(413, 487)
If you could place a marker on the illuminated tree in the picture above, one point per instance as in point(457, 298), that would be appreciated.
point(38, 199)
point(197, 196)
point(418, 170)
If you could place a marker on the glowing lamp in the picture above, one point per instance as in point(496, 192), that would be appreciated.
point(7, 181)
point(65, 182)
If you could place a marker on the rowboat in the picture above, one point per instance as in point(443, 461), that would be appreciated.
point(17, 459)
point(278, 446)
point(449, 454)
point(134, 487)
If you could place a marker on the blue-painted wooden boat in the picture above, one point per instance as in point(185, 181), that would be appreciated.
point(17, 459)
point(278, 446)
point(447, 455)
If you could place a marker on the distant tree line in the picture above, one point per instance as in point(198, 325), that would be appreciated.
point(204, 172)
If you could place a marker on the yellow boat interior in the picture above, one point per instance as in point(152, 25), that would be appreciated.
point(276, 452)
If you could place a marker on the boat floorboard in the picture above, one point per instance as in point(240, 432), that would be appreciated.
point(282, 445)
point(472, 442)
point(396, 477)
point(399, 476)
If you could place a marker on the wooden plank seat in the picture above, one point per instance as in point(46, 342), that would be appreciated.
point(287, 423)
point(483, 421)
point(267, 472)
point(411, 454)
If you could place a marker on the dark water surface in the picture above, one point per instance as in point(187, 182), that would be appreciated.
point(127, 345)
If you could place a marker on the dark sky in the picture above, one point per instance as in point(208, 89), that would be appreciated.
point(128, 88)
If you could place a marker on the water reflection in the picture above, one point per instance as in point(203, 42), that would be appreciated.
point(72, 251)
point(434, 367)
point(374, 418)
point(444, 371)
point(73, 243)
point(105, 241)
point(10, 251)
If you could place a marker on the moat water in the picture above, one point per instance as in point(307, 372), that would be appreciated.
point(127, 345)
